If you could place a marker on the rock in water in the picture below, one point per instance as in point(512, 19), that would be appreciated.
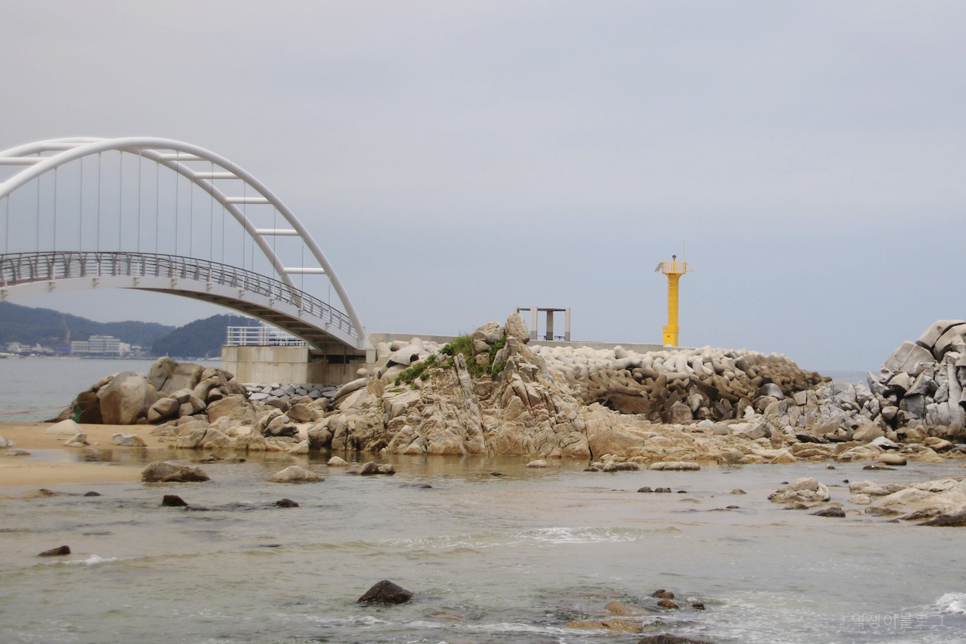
point(168, 472)
point(667, 638)
point(295, 474)
point(386, 592)
point(55, 552)
point(173, 501)
point(127, 440)
point(830, 512)
point(286, 503)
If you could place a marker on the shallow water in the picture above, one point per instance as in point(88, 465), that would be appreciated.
point(490, 559)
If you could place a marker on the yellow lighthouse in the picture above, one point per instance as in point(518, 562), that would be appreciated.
point(674, 270)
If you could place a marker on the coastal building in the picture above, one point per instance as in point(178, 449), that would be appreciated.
point(99, 345)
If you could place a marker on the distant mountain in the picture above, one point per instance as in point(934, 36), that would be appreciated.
point(201, 338)
point(47, 327)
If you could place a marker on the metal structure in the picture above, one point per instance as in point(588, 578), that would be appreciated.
point(674, 270)
point(262, 335)
point(54, 243)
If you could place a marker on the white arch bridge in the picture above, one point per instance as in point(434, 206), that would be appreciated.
point(170, 217)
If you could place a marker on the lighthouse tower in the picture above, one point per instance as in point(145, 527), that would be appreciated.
point(674, 270)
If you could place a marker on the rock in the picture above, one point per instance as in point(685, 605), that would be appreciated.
point(163, 409)
point(295, 474)
point(617, 466)
point(183, 376)
point(663, 594)
point(286, 503)
point(405, 356)
point(337, 461)
point(909, 358)
point(89, 407)
point(78, 440)
point(127, 440)
point(868, 432)
point(892, 459)
point(386, 592)
point(17, 452)
point(92, 493)
point(804, 490)
point(540, 463)
point(678, 466)
point(830, 512)
point(160, 371)
point(667, 638)
point(55, 552)
point(619, 608)
point(234, 407)
point(64, 428)
point(490, 333)
point(613, 625)
point(169, 472)
point(126, 399)
point(668, 604)
point(173, 501)
point(517, 328)
point(953, 520)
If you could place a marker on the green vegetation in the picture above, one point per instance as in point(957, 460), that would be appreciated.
point(461, 345)
point(416, 371)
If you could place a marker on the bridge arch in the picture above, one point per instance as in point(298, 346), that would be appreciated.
point(281, 303)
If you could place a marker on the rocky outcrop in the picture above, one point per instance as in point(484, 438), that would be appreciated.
point(921, 384)
point(939, 503)
point(171, 390)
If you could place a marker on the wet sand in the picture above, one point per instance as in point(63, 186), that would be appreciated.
point(50, 463)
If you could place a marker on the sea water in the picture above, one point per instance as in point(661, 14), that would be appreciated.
point(509, 558)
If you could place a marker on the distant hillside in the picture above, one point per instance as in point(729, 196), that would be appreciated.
point(199, 339)
point(48, 327)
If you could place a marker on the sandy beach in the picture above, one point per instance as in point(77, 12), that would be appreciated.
point(50, 463)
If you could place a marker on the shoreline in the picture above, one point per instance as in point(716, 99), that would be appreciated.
point(28, 470)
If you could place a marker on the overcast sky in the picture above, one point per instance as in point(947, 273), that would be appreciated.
point(456, 160)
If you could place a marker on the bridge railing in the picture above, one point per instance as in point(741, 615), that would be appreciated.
point(21, 268)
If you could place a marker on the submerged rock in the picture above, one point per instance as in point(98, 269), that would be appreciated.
point(295, 474)
point(386, 592)
point(55, 552)
point(169, 472)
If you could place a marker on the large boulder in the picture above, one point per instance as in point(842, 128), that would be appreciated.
point(184, 376)
point(163, 409)
point(126, 399)
point(517, 328)
point(160, 371)
point(235, 407)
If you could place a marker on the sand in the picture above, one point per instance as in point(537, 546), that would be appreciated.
point(50, 463)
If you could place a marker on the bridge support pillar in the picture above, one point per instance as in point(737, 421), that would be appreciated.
point(290, 365)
